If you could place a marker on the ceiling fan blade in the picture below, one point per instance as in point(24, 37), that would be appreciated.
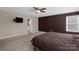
point(36, 8)
point(43, 9)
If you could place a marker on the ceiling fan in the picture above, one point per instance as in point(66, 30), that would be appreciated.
point(38, 10)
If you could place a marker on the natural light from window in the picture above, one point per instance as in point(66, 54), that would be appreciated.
point(72, 23)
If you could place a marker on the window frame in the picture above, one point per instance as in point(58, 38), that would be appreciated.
point(77, 23)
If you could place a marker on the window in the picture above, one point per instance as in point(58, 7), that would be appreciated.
point(72, 23)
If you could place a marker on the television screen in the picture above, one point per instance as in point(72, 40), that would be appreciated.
point(18, 20)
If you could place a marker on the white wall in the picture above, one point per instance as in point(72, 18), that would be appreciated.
point(9, 28)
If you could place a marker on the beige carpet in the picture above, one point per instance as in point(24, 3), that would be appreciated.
point(18, 43)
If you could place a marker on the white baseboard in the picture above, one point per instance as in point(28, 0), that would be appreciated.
point(13, 35)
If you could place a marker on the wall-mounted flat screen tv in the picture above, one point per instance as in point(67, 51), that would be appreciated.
point(18, 20)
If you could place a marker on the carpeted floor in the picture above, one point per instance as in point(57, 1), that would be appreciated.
point(18, 43)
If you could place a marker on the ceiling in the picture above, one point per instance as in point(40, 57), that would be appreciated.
point(49, 10)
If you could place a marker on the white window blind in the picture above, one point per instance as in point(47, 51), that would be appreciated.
point(72, 23)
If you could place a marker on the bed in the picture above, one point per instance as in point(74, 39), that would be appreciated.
point(53, 41)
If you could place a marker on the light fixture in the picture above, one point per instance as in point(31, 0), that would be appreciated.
point(37, 11)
